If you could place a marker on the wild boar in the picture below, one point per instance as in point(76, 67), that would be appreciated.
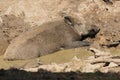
point(50, 37)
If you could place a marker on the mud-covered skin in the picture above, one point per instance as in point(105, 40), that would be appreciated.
point(48, 38)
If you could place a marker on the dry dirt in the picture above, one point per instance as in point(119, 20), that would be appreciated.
point(19, 16)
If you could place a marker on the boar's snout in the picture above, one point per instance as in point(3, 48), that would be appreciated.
point(93, 31)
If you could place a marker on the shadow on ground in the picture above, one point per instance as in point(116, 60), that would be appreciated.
point(15, 74)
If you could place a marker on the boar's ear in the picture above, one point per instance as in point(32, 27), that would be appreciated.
point(69, 20)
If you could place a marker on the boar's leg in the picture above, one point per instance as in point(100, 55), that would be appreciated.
point(76, 44)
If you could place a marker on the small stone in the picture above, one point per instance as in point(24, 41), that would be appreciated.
point(32, 69)
point(99, 53)
point(112, 64)
point(104, 70)
point(92, 68)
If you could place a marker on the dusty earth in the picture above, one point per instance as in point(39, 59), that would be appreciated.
point(19, 16)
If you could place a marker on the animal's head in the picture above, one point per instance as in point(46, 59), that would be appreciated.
point(84, 30)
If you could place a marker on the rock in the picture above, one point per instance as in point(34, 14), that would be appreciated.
point(31, 69)
point(114, 69)
point(53, 67)
point(99, 53)
point(89, 68)
point(75, 65)
point(112, 44)
point(107, 68)
point(112, 64)
point(104, 70)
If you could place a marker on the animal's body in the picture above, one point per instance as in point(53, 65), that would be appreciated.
point(48, 38)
